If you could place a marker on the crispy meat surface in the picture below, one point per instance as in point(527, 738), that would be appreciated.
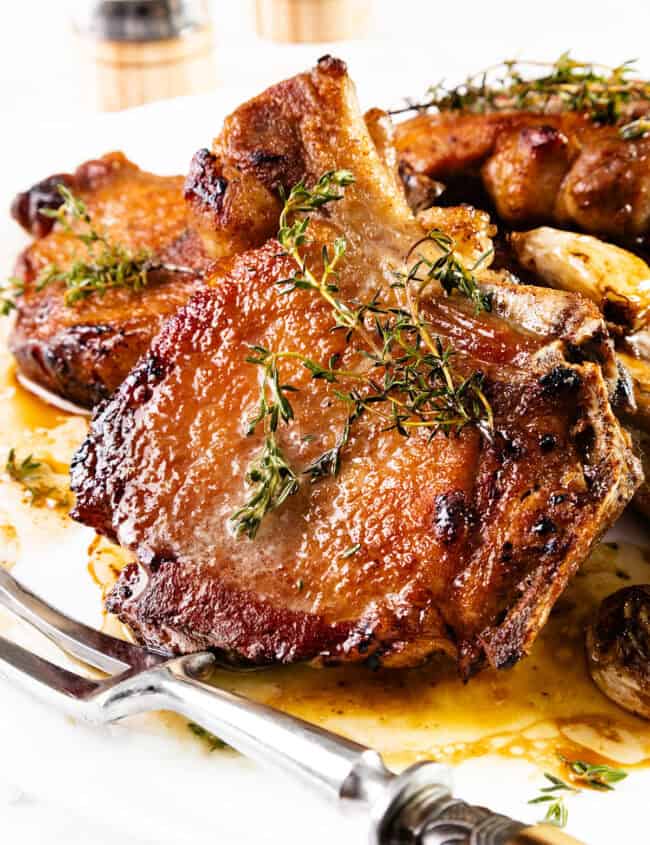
point(83, 352)
point(556, 168)
point(458, 544)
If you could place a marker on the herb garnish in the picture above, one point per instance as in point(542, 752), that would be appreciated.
point(38, 478)
point(404, 375)
point(212, 741)
point(110, 265)
point(9, 292)
point(606, 95)
point(593, 775)
point(556, 812)
point(269, 474)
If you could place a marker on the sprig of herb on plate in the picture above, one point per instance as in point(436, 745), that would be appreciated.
point(38, 479)
point(556, 810)
point(593, 775)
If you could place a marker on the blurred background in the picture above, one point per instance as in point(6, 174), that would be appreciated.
point(59, 59)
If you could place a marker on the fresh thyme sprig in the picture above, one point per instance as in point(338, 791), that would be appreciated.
point(269, 474)
point(38, 479)
point(404, 376)
point(595, 775)
point(9, 292)
point(556, 811)
point(109, 265)
point(292, 235)
point(448, 270)
point(605, 94)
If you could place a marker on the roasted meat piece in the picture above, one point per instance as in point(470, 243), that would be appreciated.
point(458, 543)
point(83, 352)
point(552, 168)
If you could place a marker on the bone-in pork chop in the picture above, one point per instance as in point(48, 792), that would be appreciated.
point(82, 352)
point(459, 543)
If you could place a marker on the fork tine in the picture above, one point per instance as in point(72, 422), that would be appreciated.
point(39, 676)
point(93, 647)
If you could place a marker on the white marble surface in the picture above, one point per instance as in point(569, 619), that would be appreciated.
point(61, 782)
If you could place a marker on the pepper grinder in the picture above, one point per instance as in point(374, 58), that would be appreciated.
point(145, 50)
point(312, 20)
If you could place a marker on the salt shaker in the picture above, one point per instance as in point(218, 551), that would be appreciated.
point(145, 50)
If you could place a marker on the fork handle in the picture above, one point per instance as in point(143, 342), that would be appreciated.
point(332, 764)
point(415, 807)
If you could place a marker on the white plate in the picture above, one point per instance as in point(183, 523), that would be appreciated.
point(136, 782)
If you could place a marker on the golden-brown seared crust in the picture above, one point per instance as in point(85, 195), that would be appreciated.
point(83, 352)
point(265, 147)
point(557, 168)
point(464, 542)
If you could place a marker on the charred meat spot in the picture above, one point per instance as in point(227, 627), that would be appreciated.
point(547, 442)
point(508, 446)
point(585, 440)
point(544, 526)
point(452, 515)
point(560, 380)
point(624, 398)
point(28, 206)
point(506, 551)
point(331, 65)
point(552, 546)
point(204, 182)
point(155, 368)
point(261, 158)
point(618, 311)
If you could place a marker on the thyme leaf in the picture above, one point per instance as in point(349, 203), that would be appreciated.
point(449, 271)
point(273, 481)
point(109, 265)
point(595, 775)
point(9, 292)
point(556, 811)
point(38, 479)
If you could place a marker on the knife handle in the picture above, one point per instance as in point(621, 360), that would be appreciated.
point(543, 834)
point(418, 809)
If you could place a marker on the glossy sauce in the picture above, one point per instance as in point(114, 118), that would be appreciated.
point(545, 706)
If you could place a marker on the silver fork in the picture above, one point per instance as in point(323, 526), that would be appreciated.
point(413, 808)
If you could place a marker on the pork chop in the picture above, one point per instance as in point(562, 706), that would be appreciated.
point(457, 542)
point(83, 352)
point(551, 168)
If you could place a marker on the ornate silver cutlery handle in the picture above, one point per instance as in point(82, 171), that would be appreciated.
point(415, 807)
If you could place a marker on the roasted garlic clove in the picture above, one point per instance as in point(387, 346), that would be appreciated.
point(617, 280)
point(618, 649)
